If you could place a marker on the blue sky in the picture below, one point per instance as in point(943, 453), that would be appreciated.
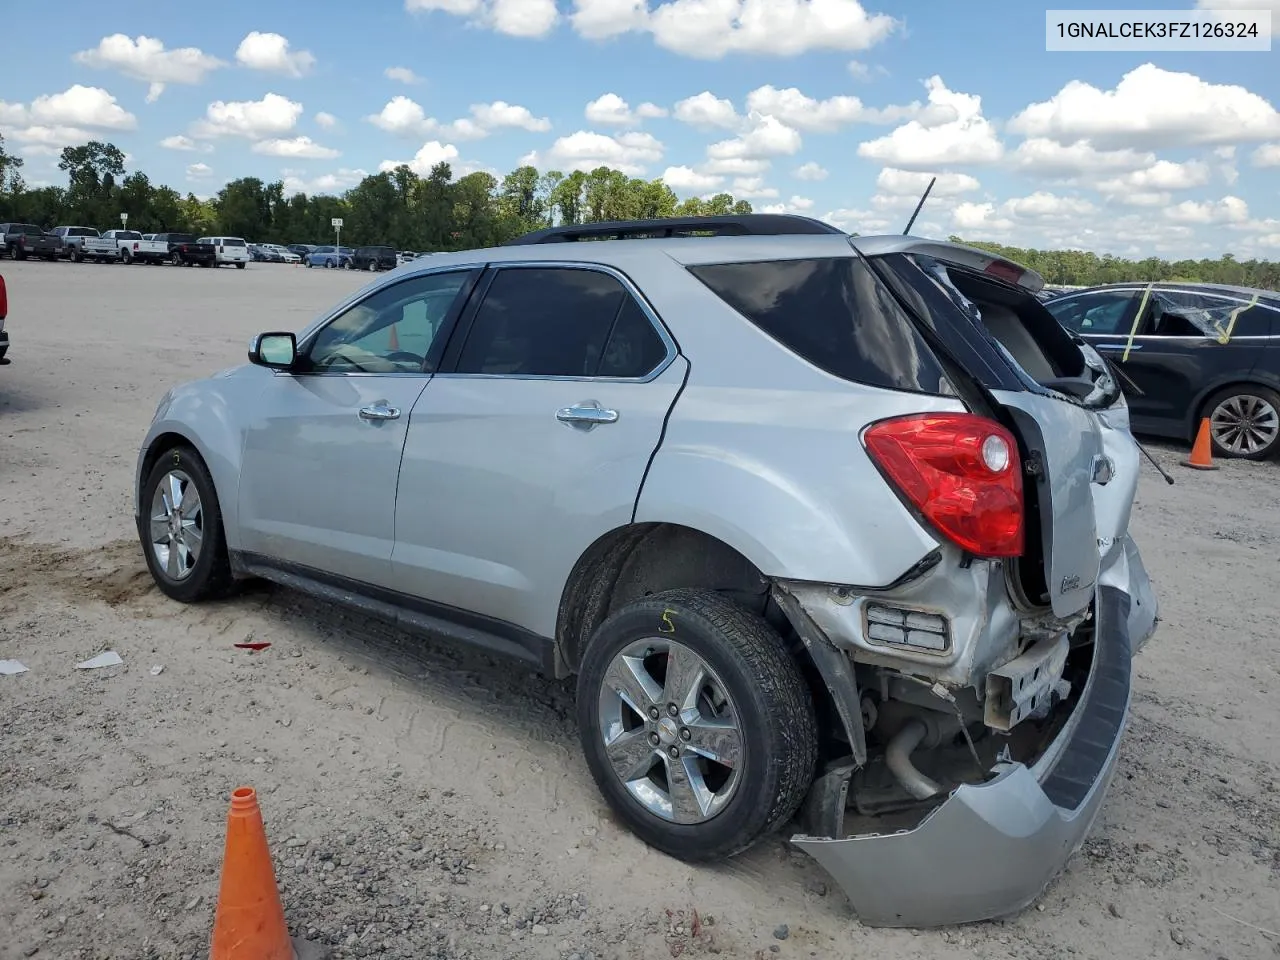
point(834, 108)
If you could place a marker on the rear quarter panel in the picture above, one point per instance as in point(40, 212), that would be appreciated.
point(763, 451)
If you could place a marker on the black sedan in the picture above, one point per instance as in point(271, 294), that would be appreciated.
point(1186, 351)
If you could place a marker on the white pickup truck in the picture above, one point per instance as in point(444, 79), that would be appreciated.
point(133, 248)
point(85, 243)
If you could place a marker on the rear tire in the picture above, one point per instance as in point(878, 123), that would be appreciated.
point(747, 703)
point(1244, 422)
point(208, 575)
point(126, 257)
point(240, 266)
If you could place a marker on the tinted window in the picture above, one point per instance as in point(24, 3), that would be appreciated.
point(1101, 314)
point(391, 330)
point(29, 229)
point(634, 348)
point(543, 322)
point(832, 312)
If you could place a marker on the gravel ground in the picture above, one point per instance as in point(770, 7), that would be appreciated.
point(428, 802)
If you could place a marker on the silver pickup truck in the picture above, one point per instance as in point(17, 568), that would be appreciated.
point(133, 248)
point(85, 243)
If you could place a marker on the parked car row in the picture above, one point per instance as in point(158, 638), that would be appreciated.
point(22, 240)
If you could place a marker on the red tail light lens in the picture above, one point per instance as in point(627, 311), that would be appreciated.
point(1003, 270)
point(961, 472)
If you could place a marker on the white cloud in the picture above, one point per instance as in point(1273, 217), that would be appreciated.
point(710, 29)
point(980, 219)
point(753, 188)
point(255, 119)
point(810, 171)
point(199, 171)
point(1267, 155)
point(303, 148)
point(55, 137)
point(1151, 107)
point(428, 155)
point(146, 59)
point(326, 121)
point(611, 110)
point(859, 70)
point(77, 106)
point(296, 181)
point(1047, 206)
point(500, 114)
point(851, 220)
point(179, 142)
point(1226, 210)
point(401, 75)
point(1042, 157)
point(795, 205)
point(910, 183)
point(824, 116)
point(1227, 6)
point(1163, 175)
point(404, 117)
point(516, 18)
point(967, 138)
point(707, 112)
point(688, 180)
point(765, 137)
point(630, 152)
point(735, 167)
point(270, 52)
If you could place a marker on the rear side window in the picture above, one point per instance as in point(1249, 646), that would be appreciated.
point(543, 322)
point(835, 314)
point(232, 242)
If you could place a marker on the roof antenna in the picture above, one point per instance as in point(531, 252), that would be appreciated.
point(919, 205)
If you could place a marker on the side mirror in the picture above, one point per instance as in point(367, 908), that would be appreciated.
point(278, 351)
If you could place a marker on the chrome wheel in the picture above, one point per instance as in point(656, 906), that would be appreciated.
point(1244, 424)
point(670, 731)
point(177, 524)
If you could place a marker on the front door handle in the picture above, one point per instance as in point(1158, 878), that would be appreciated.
point(379, 411)
point(586, 415)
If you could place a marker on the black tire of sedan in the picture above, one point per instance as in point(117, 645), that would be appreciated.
point(181, 573)
point(1244, 422)
point(696, 723)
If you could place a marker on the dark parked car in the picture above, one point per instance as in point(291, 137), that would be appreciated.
point(22, 240)
point(1185, 351)
point(374, 258)
point(301, 249)
point(184, 251)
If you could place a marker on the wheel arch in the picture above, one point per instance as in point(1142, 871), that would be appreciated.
point(639, 559)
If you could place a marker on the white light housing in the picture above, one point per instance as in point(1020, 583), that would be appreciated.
point(995, 454)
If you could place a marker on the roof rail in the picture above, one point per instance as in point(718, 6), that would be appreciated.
point(745, 225)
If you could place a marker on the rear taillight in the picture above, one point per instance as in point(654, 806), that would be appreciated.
point(135, 246)
point(961, 472)
point(1004, 270)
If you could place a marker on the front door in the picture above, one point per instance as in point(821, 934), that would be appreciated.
point(321, 458)
point(532, 443)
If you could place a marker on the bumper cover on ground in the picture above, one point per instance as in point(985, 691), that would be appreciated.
point(989, 850)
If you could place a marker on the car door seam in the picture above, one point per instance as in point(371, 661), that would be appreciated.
point(662, 435)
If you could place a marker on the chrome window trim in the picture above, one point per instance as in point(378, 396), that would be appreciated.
point(672, 348)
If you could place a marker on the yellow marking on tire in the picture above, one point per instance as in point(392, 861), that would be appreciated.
point(666, 625)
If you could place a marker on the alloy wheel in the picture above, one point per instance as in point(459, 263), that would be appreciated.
point(1244, 424)
point(670, 731)
point(177, 524)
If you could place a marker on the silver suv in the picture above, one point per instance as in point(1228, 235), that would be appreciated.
point(830, 529)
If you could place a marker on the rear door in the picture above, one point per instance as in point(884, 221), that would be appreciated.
point(533, 441)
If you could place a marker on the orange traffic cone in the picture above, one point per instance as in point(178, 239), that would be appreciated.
point(395, 339)
point(249, 923)
point(1202, 453)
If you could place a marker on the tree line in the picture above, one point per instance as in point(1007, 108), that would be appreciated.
point(438, 212)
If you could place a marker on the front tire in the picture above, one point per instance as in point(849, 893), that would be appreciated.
point(181, 529)
point(696, 724)
point(1244, 422)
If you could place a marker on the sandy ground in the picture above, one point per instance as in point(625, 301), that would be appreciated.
point(429, 802)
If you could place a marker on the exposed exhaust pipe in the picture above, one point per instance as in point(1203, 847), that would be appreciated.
point(898, 758)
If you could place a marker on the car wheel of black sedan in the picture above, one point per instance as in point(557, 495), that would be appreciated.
point(1244, 422)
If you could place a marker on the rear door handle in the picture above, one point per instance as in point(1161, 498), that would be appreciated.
point(586, 415)
point(379, 411)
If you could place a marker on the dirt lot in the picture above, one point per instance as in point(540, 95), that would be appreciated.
point(427, 802)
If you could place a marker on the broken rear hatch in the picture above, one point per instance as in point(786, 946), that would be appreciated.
point(1012, 361)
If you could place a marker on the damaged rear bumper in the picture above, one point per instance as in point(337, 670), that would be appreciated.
point(991, 849)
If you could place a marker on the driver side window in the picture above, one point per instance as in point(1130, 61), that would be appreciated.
point(389, 331)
